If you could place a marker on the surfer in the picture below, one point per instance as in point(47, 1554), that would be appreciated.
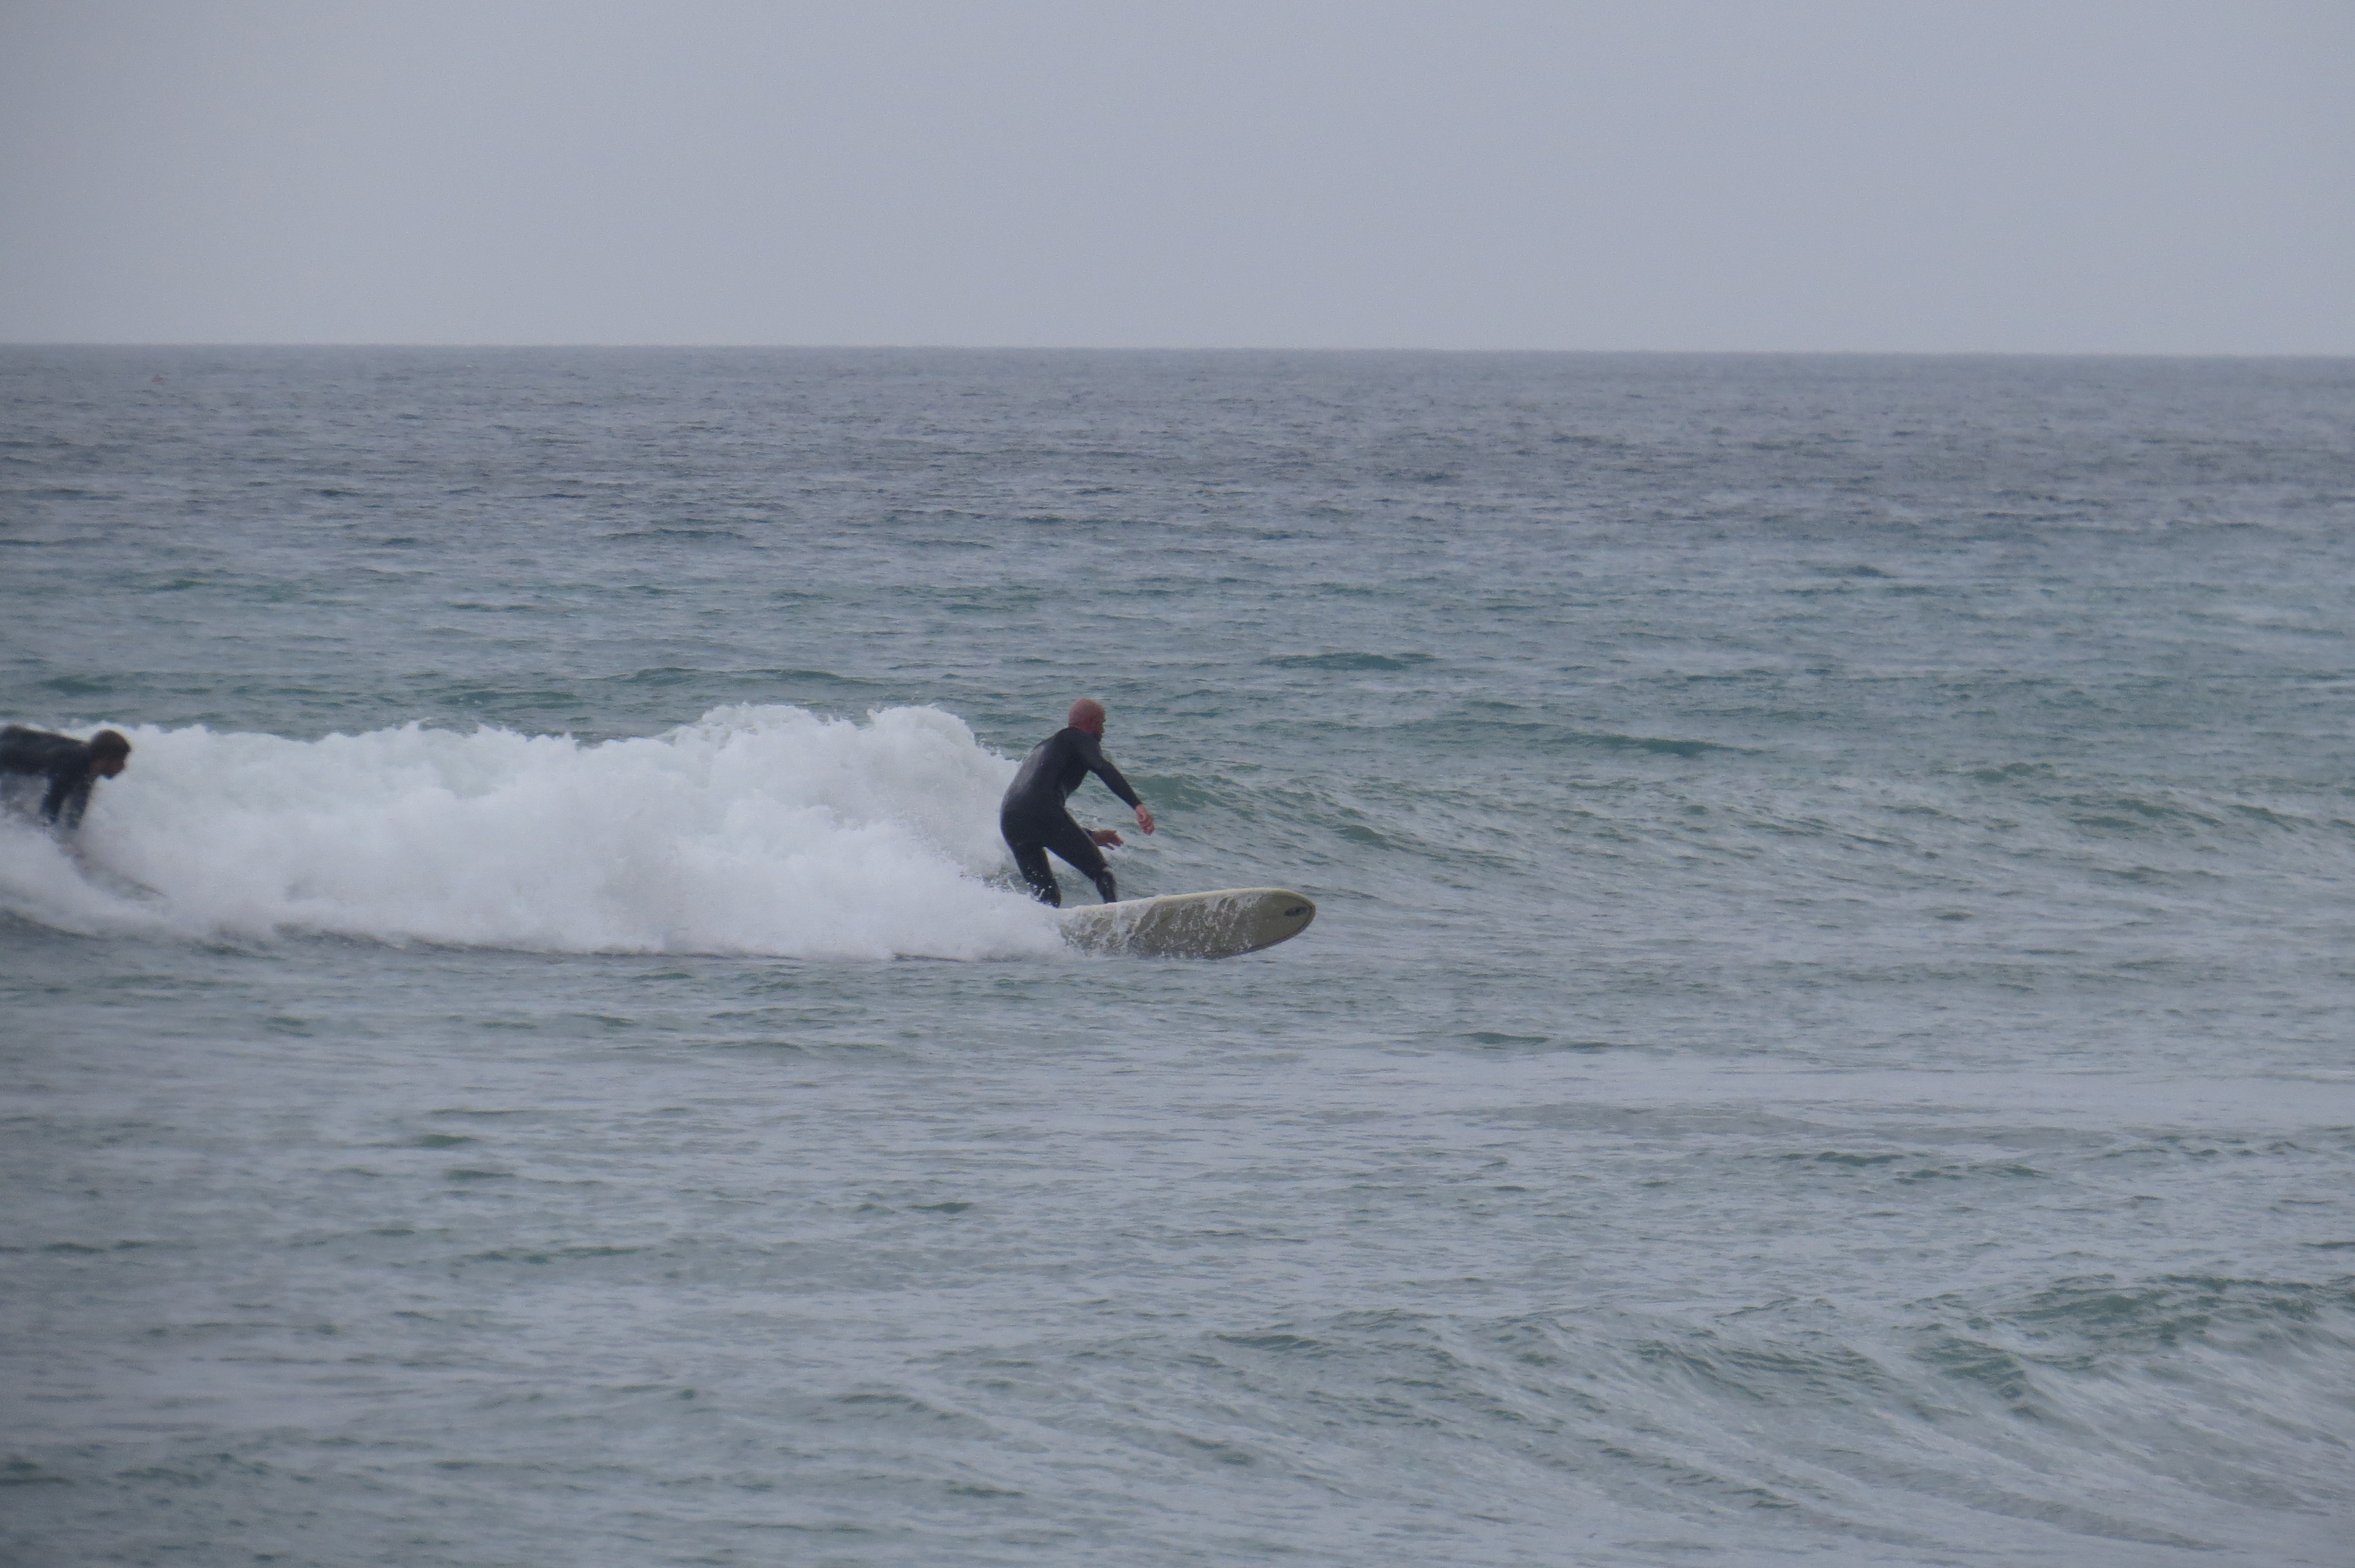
point(1035, 818)
point(71, 766)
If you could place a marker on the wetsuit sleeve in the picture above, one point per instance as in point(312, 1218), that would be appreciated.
point(68, 798)
point(1101, 765)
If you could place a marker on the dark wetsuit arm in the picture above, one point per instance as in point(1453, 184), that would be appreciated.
point(68, 798)
point(1101, 765)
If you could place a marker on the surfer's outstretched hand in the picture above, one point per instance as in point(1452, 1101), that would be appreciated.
point(1109, 838)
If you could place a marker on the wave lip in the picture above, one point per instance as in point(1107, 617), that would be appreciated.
point(755, 831)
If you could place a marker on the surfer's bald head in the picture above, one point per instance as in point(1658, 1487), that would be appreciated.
point(1087, 714)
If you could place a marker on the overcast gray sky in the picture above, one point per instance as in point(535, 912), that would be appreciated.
point(2063, 175)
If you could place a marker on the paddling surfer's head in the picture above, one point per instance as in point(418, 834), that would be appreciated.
point(109, 753)
point(1088, 714)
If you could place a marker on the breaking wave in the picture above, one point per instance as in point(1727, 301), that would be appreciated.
point(757, 829)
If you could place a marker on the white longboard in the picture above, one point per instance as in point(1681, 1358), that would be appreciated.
point(1191, 925)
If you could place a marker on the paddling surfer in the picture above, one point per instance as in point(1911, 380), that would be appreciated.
point(72, 767)
point(1035, 817)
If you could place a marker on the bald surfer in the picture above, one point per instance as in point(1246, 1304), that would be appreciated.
point(1035, 818)
point(71, 767)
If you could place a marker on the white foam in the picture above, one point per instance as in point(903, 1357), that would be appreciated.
point(753, 830)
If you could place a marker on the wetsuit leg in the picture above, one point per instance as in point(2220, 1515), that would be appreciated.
point(1030, 860)
point(1071, 841)
point(1030, 836)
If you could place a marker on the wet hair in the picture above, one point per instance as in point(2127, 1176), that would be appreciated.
point(108, 742)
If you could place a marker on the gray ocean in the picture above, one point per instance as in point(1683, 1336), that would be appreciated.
point(1826, 1038)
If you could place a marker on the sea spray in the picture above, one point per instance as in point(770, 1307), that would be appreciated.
point(768, 831)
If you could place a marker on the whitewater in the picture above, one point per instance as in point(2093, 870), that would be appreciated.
point(753, 830)
point(1825, 1037)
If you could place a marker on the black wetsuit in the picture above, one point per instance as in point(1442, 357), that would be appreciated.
point(1034, 818)
point(61, 759)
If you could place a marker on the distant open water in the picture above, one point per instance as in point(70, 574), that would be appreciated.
point(1826, 1038)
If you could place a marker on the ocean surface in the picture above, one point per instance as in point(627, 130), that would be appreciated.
point(1827, 1038)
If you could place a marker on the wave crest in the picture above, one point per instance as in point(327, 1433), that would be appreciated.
point(768, 831)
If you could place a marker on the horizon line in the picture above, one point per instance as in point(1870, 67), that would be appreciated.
point(1221, 348)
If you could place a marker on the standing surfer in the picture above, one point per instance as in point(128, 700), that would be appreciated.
point(71, 766)
point(1035, 817)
